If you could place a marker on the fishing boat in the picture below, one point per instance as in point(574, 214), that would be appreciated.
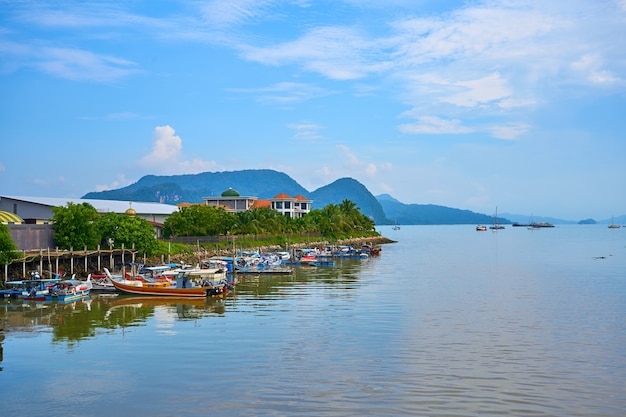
point(371, 249)
point(28, 289)
point(182, 286)
point(69, 290)
point(481, 228)
point(37, 288)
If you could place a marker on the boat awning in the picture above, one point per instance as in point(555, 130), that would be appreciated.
point(8, 218)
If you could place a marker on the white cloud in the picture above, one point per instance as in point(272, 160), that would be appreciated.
point(165, 156)
point(166, 145)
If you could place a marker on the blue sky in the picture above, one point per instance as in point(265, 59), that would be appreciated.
point(467, 104)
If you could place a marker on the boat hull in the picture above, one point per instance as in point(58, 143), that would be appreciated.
point(202, 291)
point(68, 297)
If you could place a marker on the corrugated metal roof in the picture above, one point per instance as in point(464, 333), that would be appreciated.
point(6, 218)
point(102, 206)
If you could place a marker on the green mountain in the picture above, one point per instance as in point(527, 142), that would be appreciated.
point(261, 183)
point(192, 188)
point(350, 189)
point(267, 183)
point(431, 214)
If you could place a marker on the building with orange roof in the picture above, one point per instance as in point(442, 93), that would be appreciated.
point(231, 201)
point(262, 204)
point(293, 207)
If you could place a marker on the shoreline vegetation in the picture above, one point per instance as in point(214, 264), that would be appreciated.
point(83, 262)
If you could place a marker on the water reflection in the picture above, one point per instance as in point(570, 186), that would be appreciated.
point(72, 322)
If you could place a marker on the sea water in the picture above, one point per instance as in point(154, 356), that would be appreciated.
point(447, 321)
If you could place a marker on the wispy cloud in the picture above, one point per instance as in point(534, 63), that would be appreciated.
point(285, 92)
point(308, 132)
point(68, 63)
point(508, 132)
point(434, 125)
point(354, 165)
point(339, 53)
point(235, 12)
point(120, 181)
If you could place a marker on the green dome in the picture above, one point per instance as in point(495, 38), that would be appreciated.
point(230, 193)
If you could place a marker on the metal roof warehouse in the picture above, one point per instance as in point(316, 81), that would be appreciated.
point(38, 210)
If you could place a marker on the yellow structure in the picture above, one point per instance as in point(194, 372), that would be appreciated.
point(10, 218)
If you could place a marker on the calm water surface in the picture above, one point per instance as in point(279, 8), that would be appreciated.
point(447, 322)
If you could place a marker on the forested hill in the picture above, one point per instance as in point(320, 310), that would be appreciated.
point(262, 183)
point(267, 183)
point(350, 189)
point(192, 188)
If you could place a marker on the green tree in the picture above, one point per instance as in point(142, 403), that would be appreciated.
point(129, 231)
point(198, 220)
point(8, 248)
point(74, 226)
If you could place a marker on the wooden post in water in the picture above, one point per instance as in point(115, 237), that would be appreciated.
point(111, 254)
point(40, 261)
point(85, 259)
point(99, 255)
point(57, 260)
point(24, 265)
point(71, 261)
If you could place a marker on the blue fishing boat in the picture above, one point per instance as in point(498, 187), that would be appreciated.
point(69, 290)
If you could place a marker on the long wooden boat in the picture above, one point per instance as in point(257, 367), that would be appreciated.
point(183, 287)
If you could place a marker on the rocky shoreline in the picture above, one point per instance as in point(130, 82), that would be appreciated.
point(193, 258)
point(82, 263)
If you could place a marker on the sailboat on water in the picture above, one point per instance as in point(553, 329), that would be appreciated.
point(613, 225)
point(496, 225)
